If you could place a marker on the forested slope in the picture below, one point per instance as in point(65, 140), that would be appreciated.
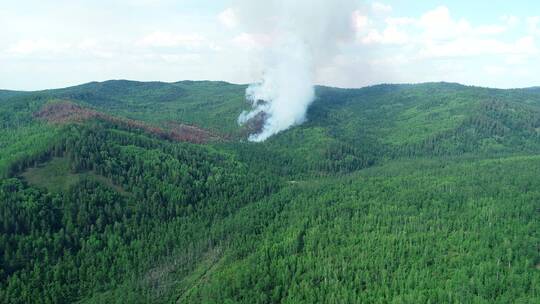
point(387, 194)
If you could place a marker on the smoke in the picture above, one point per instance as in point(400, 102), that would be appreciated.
point(302, 36)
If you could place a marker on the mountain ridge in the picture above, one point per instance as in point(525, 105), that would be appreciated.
point(242, 84)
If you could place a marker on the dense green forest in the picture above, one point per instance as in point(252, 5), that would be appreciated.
point(387, 194)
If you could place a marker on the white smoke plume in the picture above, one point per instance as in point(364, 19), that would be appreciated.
point(303, 36)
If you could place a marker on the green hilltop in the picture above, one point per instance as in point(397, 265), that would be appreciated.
point(423, 193)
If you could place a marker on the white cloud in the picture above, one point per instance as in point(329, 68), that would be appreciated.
point(516, 59)
point(400, 21)
point(95, 48)
point(33, 46)
point(434, 26)
point(466, 47)
point(495, 70)
point(438, 24)
point(390, 35)
point(169, 40)
point(52, 49)
point(510, 20)
point(490, 30)
point(252, 41)
point(379, 7)
point(436, 34)
point(444, 36)
point(397, 60)
point(88, 44)
point(534, 25)
point(228, 18)
point(180, 58)
point(360, 22)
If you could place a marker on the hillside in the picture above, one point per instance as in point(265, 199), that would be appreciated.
point(124, 191)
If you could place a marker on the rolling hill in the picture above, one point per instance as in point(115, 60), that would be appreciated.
point(138, 192)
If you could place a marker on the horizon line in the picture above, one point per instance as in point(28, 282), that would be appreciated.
point(247, 84)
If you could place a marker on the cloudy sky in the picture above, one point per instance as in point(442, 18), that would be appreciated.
point(58, 43)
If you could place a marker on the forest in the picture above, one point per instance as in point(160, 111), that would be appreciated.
point(423, 193)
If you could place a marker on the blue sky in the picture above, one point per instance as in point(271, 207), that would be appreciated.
point(57, 43)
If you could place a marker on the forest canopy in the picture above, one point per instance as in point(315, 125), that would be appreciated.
point(387, 194)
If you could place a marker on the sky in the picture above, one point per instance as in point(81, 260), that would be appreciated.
point(59, 43)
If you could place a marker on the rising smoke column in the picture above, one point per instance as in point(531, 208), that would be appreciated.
point(286, 90)
point(304, 35)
